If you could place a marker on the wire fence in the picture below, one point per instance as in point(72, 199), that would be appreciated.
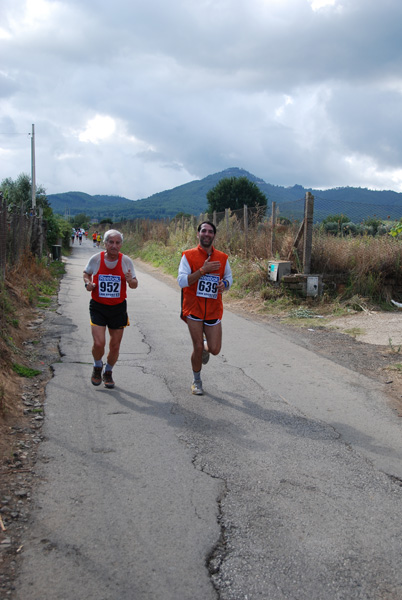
point(293, 212)
point(20, 233)
point(356, 212)
point(254, 233)
point(3, 236)
point(245, 232)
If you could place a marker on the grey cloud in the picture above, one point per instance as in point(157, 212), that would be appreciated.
point(370, 121)
point(203, 86)
point(8, 86)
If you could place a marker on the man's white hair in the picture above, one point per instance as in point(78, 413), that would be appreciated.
point(110, 233)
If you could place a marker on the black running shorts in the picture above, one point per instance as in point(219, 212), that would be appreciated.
point(209, 322)
point(113, 316)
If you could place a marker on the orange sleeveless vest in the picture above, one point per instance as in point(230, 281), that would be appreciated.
point(196, 299)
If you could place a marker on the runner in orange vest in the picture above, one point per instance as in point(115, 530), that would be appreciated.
point(204, 274)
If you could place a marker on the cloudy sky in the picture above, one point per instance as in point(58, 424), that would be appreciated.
point(132, 97)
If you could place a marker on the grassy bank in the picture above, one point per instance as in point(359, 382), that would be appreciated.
point(27, 287)
point(367, 264)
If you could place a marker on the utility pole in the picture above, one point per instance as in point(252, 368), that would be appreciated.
point(33, 175)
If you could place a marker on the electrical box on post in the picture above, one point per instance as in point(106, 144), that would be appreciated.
point(313, 286)
point(278, 268)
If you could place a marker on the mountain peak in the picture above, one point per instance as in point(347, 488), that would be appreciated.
point(191, 198)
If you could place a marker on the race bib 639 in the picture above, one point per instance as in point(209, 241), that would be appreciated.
point(208, 286)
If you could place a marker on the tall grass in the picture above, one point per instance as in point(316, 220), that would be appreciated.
point(24, 285)
point(367, 262)
point(359, 255)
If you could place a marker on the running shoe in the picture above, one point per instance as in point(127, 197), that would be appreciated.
point(96, 378)
point(205, 357)
point(196, 388)
point(205, 353)
point(108, 380)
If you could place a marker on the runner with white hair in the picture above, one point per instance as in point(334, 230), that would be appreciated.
point(107, 276)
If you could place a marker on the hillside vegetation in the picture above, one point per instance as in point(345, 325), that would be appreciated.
point(191, 198)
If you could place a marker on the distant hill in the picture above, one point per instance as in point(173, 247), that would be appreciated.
point(191, 198)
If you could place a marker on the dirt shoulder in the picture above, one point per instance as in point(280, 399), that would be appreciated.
point(35, 345)
point(360, 341)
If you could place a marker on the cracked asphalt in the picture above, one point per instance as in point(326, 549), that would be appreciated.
point(281, 482)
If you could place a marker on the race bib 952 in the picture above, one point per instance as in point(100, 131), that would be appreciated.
point(109, 286)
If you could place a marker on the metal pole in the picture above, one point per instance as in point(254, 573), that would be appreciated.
point(33, 175)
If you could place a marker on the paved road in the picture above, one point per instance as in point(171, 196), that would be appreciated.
point(281, 482)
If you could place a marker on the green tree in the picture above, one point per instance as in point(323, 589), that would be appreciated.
point(234, 193)
point(336, 219)
point(81, 221)
point(396, 229)
point(18, 194)
point(58, 229)
point(182, 214)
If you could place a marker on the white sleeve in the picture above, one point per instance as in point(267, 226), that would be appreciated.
point(93, 265)
point(127, 264)
point(184, 272)
point(227, 276)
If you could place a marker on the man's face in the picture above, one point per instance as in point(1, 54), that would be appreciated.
point(113, 245)
point(206, 236)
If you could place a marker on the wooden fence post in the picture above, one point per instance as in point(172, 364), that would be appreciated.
point(40, 232)
point(308, 232)
point(245, 212)
point(3, 236)
point(273, 225)
point(227, 226)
